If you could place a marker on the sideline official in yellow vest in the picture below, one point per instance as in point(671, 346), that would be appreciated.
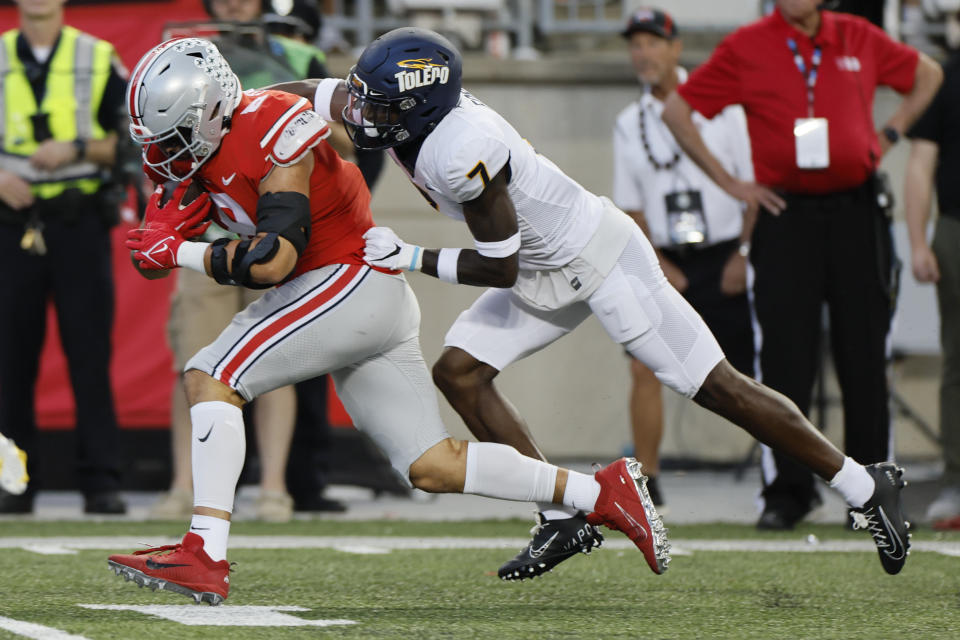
point(61, 96)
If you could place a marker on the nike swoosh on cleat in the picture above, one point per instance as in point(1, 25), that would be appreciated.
point(898, 551)
point(536, 553)
point(204, 438)
point(153, 564)
point(643, 531)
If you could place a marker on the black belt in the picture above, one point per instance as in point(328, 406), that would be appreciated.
point(859, 193)
point(700, 249)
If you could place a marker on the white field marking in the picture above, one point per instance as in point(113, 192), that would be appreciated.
point(223, 615)
point(124, 544)
point(50, 550)
point(35, 631)
point(361, 550)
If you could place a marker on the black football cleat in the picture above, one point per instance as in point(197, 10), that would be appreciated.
point(553, 542)
point(882, 516)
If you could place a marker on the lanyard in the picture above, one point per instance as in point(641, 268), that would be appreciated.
point(656, 164)
point(810, 76)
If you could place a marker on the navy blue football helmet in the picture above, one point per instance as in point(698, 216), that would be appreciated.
point(404, 83)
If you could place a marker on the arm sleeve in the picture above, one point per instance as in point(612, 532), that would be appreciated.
point(896, 63)
point(739, 140)
point(627, 190)
point(714, 84)
point(472, 164)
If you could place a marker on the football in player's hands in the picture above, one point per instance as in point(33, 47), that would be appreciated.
point(149, 274)
point(189, 194)
point(185, 206)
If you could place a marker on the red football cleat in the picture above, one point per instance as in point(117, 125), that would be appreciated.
point(625, 505)
point(184, 568)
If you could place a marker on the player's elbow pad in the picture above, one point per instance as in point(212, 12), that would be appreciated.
point(287, 214)
point(237, 271)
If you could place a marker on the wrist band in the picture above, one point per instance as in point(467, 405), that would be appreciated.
point(416, 262)
point(500, 248)
point(447, 265)
point(191, 254)
point(323, 96)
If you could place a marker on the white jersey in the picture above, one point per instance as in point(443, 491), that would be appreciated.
point(472, 144)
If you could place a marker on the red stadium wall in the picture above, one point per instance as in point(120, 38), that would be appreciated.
point(141, 368)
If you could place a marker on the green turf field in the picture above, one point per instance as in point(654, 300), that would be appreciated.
point(454, 593)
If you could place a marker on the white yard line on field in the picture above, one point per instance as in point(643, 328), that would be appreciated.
point(384, 544)
point(35, 631)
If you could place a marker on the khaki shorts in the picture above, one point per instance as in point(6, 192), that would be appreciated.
point(199, 311)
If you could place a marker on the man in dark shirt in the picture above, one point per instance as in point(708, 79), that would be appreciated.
point(935, 156)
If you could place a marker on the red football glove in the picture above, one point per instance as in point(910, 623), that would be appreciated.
point(155, 246)
point(190, 220)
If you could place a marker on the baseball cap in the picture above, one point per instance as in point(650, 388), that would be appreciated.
point(652, 21)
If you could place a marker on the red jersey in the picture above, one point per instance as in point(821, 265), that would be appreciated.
point(755, 67)
point(273, 128)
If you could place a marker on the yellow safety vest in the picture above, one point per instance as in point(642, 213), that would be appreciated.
point(76, 80)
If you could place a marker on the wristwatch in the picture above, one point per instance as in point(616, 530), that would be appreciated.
point(81, 146)
point(891, 134)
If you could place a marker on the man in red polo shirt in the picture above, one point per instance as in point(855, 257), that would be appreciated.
point(806, 78)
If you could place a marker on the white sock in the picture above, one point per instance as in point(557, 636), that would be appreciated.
point(500, 471)
point(582, 491)
point(218, 448)
point(553, 511)
point(854, 483)
point(214, 532)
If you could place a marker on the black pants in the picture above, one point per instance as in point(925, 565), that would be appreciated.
point(308, 462)
point(77, 273)
point(727, 316)
point(834, 248)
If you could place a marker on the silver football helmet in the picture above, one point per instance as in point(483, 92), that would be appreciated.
point(180, 98)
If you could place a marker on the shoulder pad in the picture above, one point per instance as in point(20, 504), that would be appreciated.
point(294, 133)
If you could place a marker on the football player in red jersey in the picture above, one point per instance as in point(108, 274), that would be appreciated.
point(301, 213)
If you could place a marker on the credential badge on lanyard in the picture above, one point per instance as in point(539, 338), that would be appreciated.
point(811, 135)
point(686, 222)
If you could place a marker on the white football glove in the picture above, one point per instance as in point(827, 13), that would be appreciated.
point(385, 249)
point(13, 467)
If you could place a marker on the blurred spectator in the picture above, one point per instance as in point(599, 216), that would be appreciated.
point(299, 20)
point(935, 154)
point(824, 235)
point(692, 223)
point(62, 92)
point(312, 439)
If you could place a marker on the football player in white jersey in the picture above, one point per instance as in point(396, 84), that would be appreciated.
point(553, 254)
